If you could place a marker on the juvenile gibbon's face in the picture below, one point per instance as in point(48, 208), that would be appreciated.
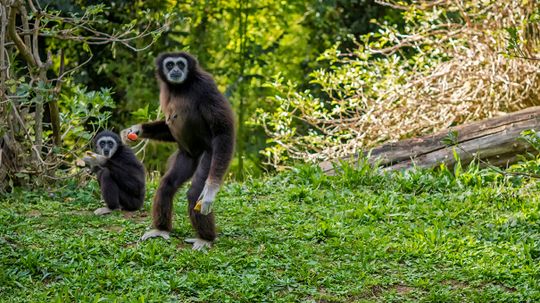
point(175, 69)
point(106, 146)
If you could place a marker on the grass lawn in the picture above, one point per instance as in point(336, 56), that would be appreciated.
point(299, 236)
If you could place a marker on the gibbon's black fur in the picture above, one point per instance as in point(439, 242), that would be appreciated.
point(120, 174)
point(201, 122)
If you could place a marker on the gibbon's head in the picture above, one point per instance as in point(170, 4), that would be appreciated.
point(106, 143)
point(175, 68)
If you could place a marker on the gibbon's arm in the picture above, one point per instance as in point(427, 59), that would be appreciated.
point(222, 127)
point(222, 152)
point(157, 130)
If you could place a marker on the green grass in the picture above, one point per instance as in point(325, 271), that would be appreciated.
point(300, 236)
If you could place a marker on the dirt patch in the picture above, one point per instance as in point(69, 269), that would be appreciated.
point(402, 289)
point(455, 284)
point(372, 292)
point(137, 216)
point(82, 212)
point(34, 213)
point(377, 291)
point(498, 285)
point(131, 244)
point(114, 228)
point(503, 287)
point(183, 245)
point(508, 289)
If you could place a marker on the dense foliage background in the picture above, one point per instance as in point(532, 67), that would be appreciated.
point(103, 54)
point(308, 80)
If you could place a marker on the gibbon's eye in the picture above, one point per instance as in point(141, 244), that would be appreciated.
point(111, 143)
point(102, 144)
point(169, 65)
point(181, 64)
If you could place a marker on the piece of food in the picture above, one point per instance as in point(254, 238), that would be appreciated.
point(80, 162)
point(132, 136)
point(198, 206)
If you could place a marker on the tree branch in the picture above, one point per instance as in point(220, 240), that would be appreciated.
point(3, 64)
point(21, 47)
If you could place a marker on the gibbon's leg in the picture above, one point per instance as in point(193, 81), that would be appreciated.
point(204, 225)
point(109, 192)
point(180, 170)
point(130, 202)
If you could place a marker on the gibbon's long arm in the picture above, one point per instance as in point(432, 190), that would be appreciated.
point(222, 152)
point(222, 128)
point(221, 122)
point(156, 130)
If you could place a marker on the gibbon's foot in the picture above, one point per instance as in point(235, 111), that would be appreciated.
point(198, 244)
point(102, 211)
point(153, 233)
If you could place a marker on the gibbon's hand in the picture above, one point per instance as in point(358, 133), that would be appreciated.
point(89, 160)
point(92, 159)
point(134, 129)
point(207, 197)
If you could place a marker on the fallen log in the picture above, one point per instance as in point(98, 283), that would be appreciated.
point(493, 140)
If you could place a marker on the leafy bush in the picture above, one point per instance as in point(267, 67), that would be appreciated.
point(446, 66)
point(83, 113)
point(529, 164)
point(43, 115)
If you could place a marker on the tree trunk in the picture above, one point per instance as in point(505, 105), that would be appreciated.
point(493, 140)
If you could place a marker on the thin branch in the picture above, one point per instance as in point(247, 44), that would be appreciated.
point(35, 45)
point(33, 7)
point(72, 70)
point(3, 63)
point(25, 25)
point(23, 126)
point(523, 57)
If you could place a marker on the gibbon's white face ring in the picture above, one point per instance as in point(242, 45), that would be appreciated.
point(175, 69)
point(106, 146)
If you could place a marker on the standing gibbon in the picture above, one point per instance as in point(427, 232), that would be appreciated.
point(200, 120)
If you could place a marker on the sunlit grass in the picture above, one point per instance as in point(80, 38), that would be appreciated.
point(301, 236)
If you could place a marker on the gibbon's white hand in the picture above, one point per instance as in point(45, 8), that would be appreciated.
point(92, 159)
point(207, 197)
point(136, 129)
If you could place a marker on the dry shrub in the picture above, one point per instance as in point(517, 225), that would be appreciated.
point(455, 62)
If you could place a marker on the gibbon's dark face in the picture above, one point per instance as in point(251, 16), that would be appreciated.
point(175, 69)
point(106, 146)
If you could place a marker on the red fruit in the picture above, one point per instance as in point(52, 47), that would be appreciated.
point(132, 136)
